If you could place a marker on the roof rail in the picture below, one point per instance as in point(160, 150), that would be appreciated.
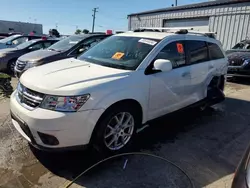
point(168, 28)
point(177, 30)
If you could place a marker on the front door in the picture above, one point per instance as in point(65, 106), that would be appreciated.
point(170, 91)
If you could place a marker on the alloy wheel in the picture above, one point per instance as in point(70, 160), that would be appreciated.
point(119, 131)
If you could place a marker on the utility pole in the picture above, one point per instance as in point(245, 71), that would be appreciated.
point(93, 25)
point(176, 3)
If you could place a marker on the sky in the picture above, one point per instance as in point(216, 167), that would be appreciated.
point(69, 15)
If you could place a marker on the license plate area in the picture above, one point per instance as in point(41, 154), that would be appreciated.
point(24, 127)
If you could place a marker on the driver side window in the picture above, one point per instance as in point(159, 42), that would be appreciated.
point(37, 46)
point(175, 53)
point(19, 40)
point(85, 46)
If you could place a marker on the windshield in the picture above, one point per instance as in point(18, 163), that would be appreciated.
point(9, 38)
point(25, 44)
point(66, 43)
point(120, 52)
point(242, 45)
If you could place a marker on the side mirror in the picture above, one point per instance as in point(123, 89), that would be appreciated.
point(163, 65)
point(81, 50)
point(9, 43)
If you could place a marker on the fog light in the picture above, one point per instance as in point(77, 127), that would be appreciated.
point(48, 139)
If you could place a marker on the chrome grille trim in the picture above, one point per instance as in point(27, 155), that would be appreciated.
point(20, 65)
point(28, 98)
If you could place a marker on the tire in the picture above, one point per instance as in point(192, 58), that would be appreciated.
point(11, 65)
point(215, 88)
point(109, 136)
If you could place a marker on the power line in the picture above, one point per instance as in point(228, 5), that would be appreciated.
point(93, 25)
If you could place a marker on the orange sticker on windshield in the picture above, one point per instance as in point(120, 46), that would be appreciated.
point(118, 55)
point(180, 48)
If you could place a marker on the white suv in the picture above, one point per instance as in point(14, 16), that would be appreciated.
point(112, 90)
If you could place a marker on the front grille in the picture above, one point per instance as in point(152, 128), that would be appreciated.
point(235, 61)
point(20, 65)
point(28, 97)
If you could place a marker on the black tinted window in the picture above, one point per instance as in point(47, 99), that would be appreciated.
point(175, 52)
point(215, 51)
point(198, 51)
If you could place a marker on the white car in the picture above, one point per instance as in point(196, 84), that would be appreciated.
point(115, 88)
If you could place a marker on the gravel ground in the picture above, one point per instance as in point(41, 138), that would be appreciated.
point(206, 145)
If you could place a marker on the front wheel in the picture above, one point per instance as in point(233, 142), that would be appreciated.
point(116, 130)
point(11, 66)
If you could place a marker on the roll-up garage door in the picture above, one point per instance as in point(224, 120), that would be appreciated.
point(199, 24)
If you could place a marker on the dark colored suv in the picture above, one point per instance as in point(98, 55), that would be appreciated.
point(69, 47)
point(8, 56)
point(239, 59)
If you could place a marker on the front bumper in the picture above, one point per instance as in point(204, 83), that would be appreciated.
point(239, 71)
point(17, 73)
point(70, 129)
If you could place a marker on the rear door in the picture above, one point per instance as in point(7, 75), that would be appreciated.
point(198, 60)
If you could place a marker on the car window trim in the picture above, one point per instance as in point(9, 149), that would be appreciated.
point(149, 70)
point(188, 56)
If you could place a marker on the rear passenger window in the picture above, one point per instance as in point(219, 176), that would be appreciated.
point(175, 52)
point(198, 51)
point(215, 51)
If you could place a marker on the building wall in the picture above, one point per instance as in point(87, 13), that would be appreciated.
point(231, 22)
point(22, 27)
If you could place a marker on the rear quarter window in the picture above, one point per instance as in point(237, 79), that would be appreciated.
point(197, 51)
point(215, 51)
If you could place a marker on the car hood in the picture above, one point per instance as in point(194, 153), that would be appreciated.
point(69, 77)
point(7, 50)
point(37, 55)
point(243, 55)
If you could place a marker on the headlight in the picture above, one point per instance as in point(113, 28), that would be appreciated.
point(246, 62)
point(64, 104)
point(29, 65)
point(2, 55)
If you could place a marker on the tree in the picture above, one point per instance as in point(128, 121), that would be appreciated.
point(54, 32)
point(78, 31)
point(85, 31)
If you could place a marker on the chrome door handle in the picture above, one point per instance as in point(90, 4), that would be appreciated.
point(184, 74)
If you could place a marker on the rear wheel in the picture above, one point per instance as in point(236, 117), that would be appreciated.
point(116, 130)
point(214, 92)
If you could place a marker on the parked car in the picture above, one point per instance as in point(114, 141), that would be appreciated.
point(4, 35)
point(9, 56)
point(242, 174)
point(239, 59)
point(116, 87)
point(71, 46)
point(14, 40)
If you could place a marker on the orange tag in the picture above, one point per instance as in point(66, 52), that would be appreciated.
point(180, 48)
point(118, 55)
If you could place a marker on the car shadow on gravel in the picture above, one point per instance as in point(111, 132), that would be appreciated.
point(239, 80)
point(160, 133)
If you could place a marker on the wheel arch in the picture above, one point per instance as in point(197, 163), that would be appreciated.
point(134, 103)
